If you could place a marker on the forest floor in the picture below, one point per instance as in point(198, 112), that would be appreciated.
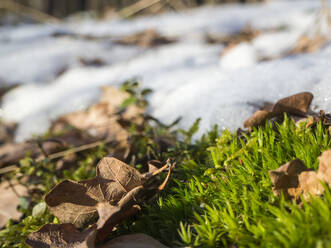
point(189, 176)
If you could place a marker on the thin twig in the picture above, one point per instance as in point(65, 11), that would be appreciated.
point(13, 6)
point(137, 7)
point(73, 150)
point(11, 168)
point(12, 187)
point(161, 187)
point(7, 169)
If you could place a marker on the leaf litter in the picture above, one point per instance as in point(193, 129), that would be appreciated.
point(111, 197)
point(10, 192)
point(294, 178)
point(117, 191)
point(101, 122)
point(297, 105)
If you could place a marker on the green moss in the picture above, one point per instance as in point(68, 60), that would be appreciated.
point(219, 195)
point(230, 201)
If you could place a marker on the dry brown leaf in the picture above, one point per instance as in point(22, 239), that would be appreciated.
point(72, 203)
point(294, 179)
point(307, 44)
point(258, 118)
point(112, 196)
point(76, 202)
point(62, 236)
point(110, 216)
point(138, 240)
point(98, 121)
point(310, 185)
point(10, 193)
point(7, 132)
point(230, 41)
point(324, 169)
point(95, 62)
point(297, 104)
point(286, 178)
point(146, 39)
point(102, 119)
point(66, 235)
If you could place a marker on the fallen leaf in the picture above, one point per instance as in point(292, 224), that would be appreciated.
point(102, 120)
point(311, 121)
point(310, 185)
point(138, 240)
point(62, 236)
point(285, 178)
point(294, 179)
point(247, 34)
point(297, 104)
point(146, 39)
point(7, 132)
point(307, 44)
point(71, 202)
point(76, 202)
point(95, 62)
point(10, 194)
point(113, 195)
point(66, 235)
point(98, 121)
point(110, 216)
point(324, 169)
point(258, 118)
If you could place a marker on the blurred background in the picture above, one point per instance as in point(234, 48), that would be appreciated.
point(63, 8)
point(220, 60)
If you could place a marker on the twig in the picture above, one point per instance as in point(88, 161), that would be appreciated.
point(137, 7)
point(11, 168)
point(7, 169)
point(25, 10)
point(12, 187)
point(73, 150)
point(161, 187)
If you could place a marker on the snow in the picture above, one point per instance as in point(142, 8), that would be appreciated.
point(189, 78)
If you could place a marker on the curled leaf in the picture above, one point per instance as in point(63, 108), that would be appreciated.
point(297, 104)
point(258, 118)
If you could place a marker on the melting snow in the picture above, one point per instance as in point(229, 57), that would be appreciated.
point(189, 78)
